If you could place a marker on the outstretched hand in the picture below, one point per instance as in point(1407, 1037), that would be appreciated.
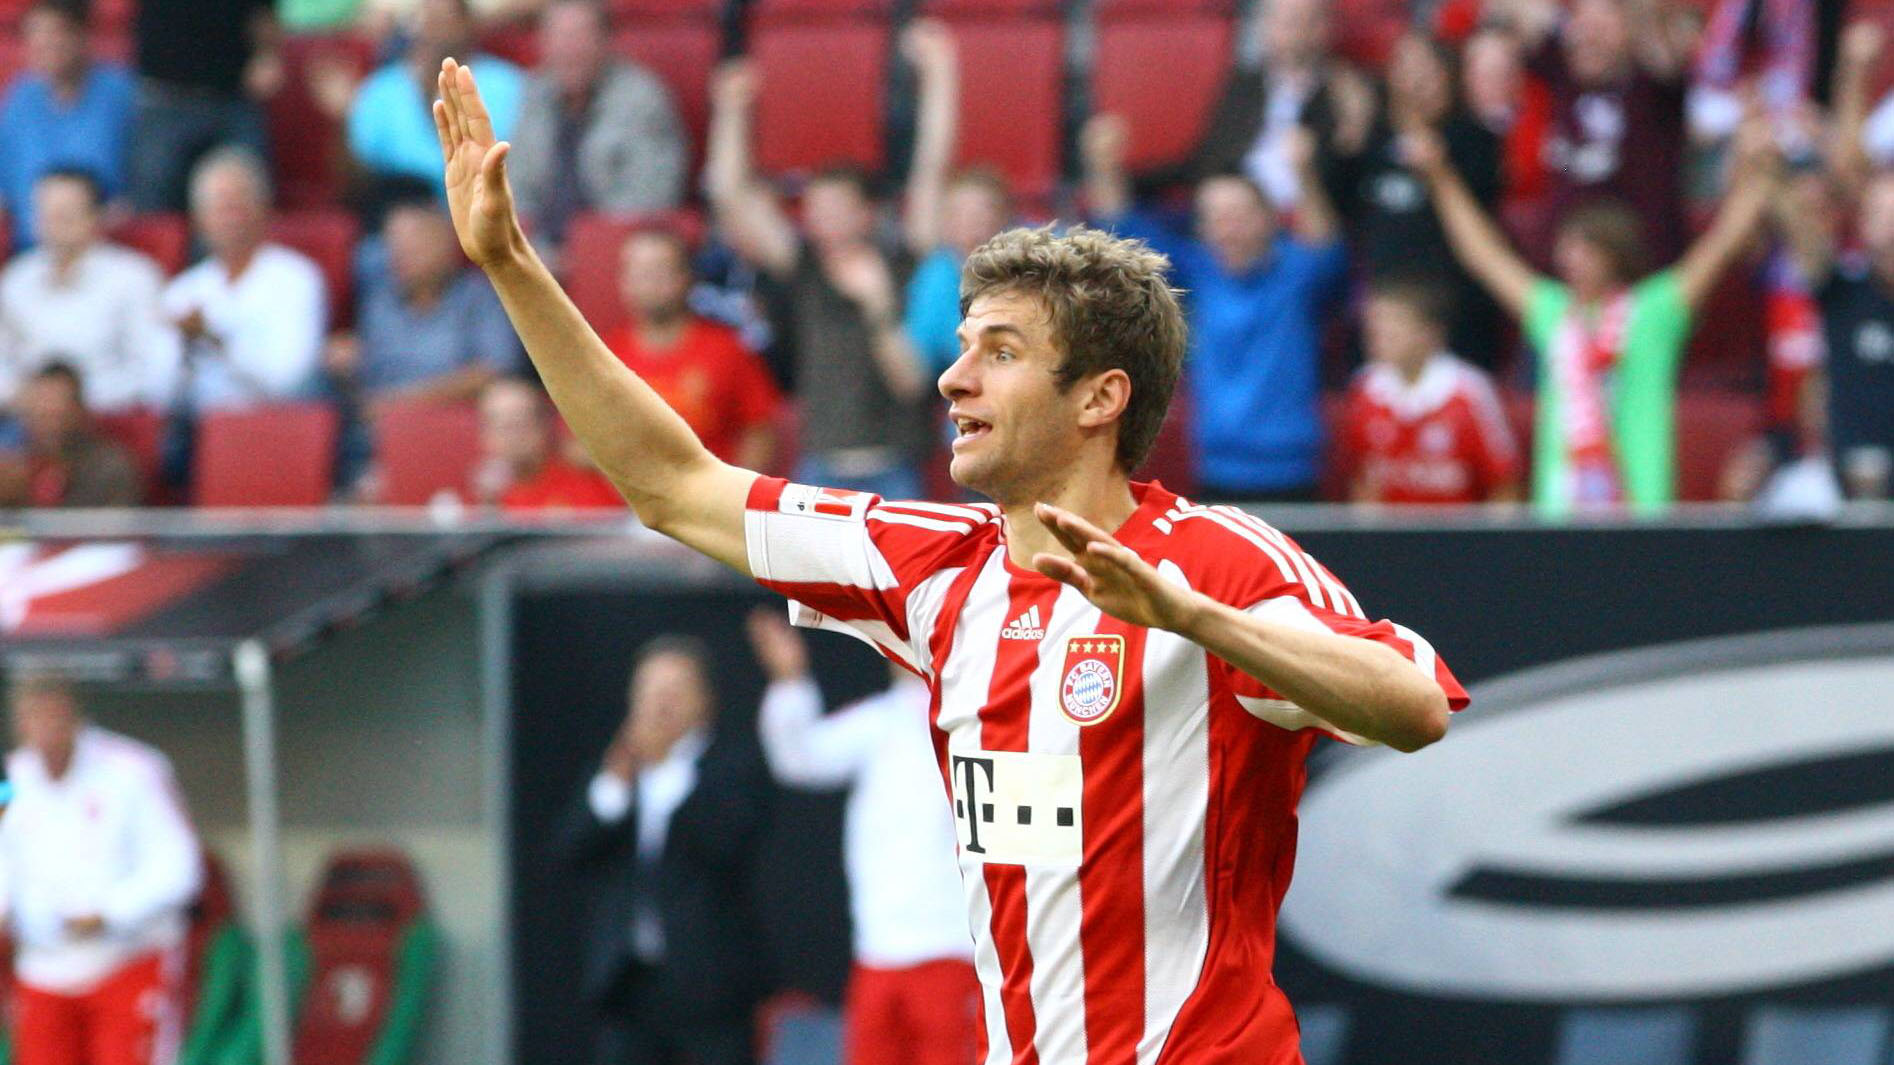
point(1109, 574)
point(478, 196)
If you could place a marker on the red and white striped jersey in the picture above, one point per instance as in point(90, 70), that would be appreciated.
point(1124, 801)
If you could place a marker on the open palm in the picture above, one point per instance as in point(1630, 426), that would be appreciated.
point(477, 193)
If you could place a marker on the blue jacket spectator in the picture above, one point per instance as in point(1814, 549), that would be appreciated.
point(1255, 295)
point(66, 112)
point(390, 122)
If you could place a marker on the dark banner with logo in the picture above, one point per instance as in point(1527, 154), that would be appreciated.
point(1664, 833)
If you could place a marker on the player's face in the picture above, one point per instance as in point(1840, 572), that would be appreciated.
point(1014, 427)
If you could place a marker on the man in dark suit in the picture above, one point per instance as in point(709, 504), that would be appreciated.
point(664, 837)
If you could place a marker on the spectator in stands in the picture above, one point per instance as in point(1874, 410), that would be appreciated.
point(429, 327)
point(253, 313)
point(66, 111)
point(99, 865)
point(93, 303)
point(1856, 297)
point(1421, 425)
point(390, 126)
point(1511, 106)
point(1616, 72)
point(701, 368)
point(521, 468)
point(595, 133)
point(663, 837)
point(913, 995)
point(946, 215)
point(204, 68)
point(1861, 140)
point(862, 393)
point(1300, 86)
point(1608, 337)
point(1396, 229)
point(1255, 296)
point(66, 461)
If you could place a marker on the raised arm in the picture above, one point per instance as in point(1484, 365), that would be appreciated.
point(1806, 219)
point(1316, 222)
point(928, 46)
point(1476, 239)
point(746, 210)
point(671, 480)
point(1738, 216)
point(1660, 38)
point(1860, 49)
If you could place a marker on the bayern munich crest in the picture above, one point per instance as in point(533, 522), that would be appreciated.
point(1093, 665)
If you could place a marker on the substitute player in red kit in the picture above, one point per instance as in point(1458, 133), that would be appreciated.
point(1122, 716)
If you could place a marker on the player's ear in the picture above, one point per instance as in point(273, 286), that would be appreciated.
point(1106, 397)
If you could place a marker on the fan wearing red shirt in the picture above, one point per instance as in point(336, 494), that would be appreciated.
point(521, 468)
point(1420, 425)
point(1124, 686)
point(701, 368)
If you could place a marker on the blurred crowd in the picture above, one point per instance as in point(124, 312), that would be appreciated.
point(1605, 254)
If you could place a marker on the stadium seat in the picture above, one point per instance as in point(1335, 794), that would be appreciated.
point(165, 237)
point(1711, 426)
point(1832, 1035)
point(1170, 460)
point(307, 151)
point(326, 235)
point(1010, 112)
point(1728, 344)
point(789, 11)
point(277, 456)
point(638, 11)
point(1656, 1035)
point(823, 94)
point(593, 244)
point(954, 10)
point(140, 432)
point(1367, 29)
point(371, 949)
point(682, 53)
point(423, 447)
point(1164, 76)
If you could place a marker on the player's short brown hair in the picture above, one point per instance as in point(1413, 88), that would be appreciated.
point(1110, 306)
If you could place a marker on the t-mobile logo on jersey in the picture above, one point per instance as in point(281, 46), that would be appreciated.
point(1014, 808)
point(1027, 626)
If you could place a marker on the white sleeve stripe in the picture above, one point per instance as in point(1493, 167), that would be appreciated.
point(1424, 655)
point(1286, 571)
point(1343, 600)
point(933, 524)
point(1309, 579)
point(803, 549)
point(964, 511)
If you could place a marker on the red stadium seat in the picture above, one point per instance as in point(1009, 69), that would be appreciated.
point(1163, 75)
point(1170, 460)
point(593, 243)
point(371, 950)
point(681, 53)
point(633, 11)
point(958, 9)
point(775, 11)
point(1010, 111)
point(277, 456)
point(823, 91)
point(306, 144)
point(1367, 29)
point(1729, 343)
point(326, 235)
point(423, 447)
point(140, 432)
point(1711, 426)
point(164, 237)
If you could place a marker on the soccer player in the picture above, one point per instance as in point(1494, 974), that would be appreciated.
point(1122, 715)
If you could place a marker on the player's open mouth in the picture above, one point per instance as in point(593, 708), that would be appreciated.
point(969, 429)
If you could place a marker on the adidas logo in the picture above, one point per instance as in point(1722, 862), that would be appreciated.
point(1024, 627)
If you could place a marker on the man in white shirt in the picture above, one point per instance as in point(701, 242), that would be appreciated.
point(80, 300)
point(98, 864)
point(253, 314)
point(913, 995)
point(664, 838)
